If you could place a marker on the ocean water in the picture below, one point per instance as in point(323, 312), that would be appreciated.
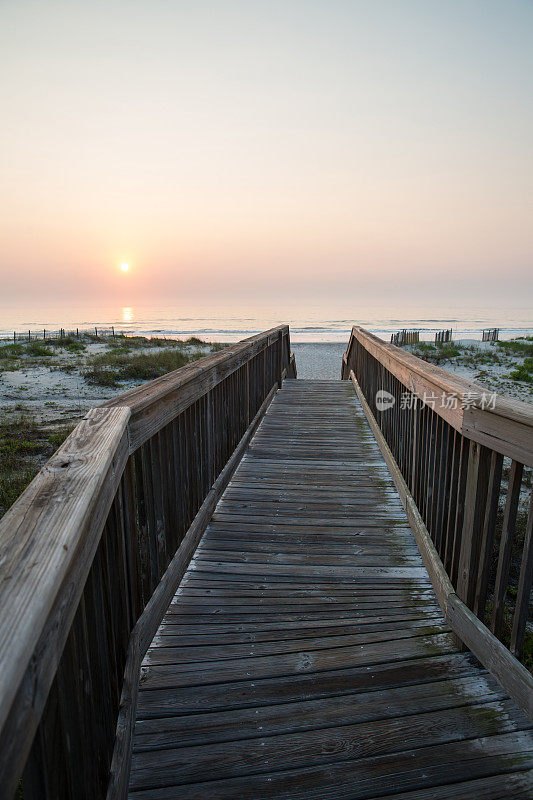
point(307, 324)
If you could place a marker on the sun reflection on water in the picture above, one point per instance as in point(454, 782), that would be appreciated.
point(127, 314)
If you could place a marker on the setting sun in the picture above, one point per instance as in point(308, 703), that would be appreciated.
point(125, 267)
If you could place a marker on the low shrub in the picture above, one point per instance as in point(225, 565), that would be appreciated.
point(518, 347)
point(110, 369)
point(523, 372)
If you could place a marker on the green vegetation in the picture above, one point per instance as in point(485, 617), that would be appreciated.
point(12, 351)
point(24, 446)
point(56, 438)
point(463, 354)
point(122, 362)
point(436, 353)
point(518, 347)
point(125, 343)
point(10, 355)
point(72, 344)
point(526, 656)
point(111, 369)
point(523, 372)
point(14, 356)
point(37, 349)
point(515, 355)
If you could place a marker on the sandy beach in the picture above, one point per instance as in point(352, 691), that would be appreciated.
point(58, 384)
point(319, 360)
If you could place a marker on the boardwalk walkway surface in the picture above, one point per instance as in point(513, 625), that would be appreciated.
point(304, 655)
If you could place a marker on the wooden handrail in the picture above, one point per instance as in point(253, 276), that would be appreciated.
point(506, 427)
point(447, 460)
point(154, 404)
point(86, 546)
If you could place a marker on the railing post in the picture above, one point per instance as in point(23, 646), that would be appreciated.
point(280, 359)
point(247, 393)
point(209, 437)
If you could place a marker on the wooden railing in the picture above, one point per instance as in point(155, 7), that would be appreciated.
point(459, 456)
point(91, 554)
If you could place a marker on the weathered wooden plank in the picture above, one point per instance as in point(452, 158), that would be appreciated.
point(152, 733)
point(149, 620)
point(290, 750)
point(380, 775)
point(155, 701)
point(305, 637)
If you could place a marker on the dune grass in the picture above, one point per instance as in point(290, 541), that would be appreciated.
point(120, 365)
point(516, 355)
point(436, 353)
point(14, 356)
point(523, 346)
point(523, 372)
point(121, 342)
point(125, 358)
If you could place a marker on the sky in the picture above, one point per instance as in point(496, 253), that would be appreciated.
point(232, 151)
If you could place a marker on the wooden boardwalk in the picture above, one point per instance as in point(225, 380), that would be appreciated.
point(304, 655)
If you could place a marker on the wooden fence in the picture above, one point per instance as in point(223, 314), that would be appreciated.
point(458, 455)
point(442, 337)
point(405, 337)
point(491, 335)
point(92, 552)
point(63, 333)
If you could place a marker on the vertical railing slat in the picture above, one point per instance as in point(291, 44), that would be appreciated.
point(474, 507)
point(506, 544)
point(525, 582)
point(489, 528)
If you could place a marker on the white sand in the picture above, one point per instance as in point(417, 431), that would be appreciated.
point(55, 396)
point(491, 376)
point(319, 360)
